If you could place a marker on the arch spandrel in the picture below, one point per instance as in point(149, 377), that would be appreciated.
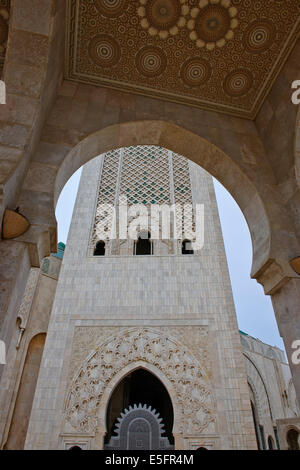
point(179, 371)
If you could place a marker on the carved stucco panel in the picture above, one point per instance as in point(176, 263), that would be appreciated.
point(175, 360)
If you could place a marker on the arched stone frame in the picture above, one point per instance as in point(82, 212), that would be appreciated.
point(177, 415)
point(262, 410)
point(259, 389)
point(22, 164)
point(13, 376)
point(155, 350)
point(265, 220)
point(253, 402)
point(271, 443)
point(35, 92)
point(255, 397)
point(291, 427)
point(18, 423)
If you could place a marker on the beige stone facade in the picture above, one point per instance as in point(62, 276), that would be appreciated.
point(166, 313)
point(168, 300)
point(23, 358)
point(58, 117)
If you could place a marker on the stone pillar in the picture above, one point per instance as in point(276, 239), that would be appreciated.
point(17, 257)
point(14, 270)
point(286, 303)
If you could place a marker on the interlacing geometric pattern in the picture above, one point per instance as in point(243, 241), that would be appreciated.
point(145, 179)
point(221, 55)
point(107, 194)
point(183, 194)
point(172, 360)
point(145, 175)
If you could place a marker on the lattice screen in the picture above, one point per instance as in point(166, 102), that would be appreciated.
point(145, 175)
point(182, 191)
point(107, 193)
point(145, 179)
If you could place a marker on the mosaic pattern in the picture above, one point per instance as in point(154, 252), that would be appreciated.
point(104, 50)
point(221, 55)
point(238, 82)
point(259, 36)
point(163, 17)
point(195, 72)
point(145, 179)
point(107, 193)
point(111, 8)
point(151, 61)
point(145, 175)
point(213, 23)
point(183, 192)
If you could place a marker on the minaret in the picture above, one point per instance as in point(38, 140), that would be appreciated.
point(144, 327)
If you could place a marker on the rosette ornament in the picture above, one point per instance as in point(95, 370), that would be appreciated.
point(163, 17)
point(212, 23)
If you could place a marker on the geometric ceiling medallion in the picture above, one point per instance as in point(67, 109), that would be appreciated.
point(195, 72)
point(151, 61)
point(104, 50)
point(111, 8)
point(259, 36)
point(238, 82)
point(212, 24)
point(203, 53)
point(163, 17)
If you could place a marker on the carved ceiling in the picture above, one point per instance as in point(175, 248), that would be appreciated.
point(222, 55)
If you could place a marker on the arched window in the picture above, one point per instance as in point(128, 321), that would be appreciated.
point(99, 249)
point(186, 248)
point(293, 439)
point(271, 443)
point(75, 448)
point(254, 415)
point(23, 405)
point(143, 245)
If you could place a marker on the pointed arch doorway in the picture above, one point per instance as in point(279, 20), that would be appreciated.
point(139, 414)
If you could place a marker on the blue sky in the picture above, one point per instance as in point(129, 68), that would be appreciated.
point(254, 309)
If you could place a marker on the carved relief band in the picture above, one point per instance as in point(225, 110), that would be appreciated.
point(187, 372)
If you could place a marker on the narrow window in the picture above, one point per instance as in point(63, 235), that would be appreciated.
point(186, 248)
point(262, 435)
point(255, 425)
point(99, 249)
point(293, 439)
point(276, 437)
point(143, 245)
point(270, 443)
